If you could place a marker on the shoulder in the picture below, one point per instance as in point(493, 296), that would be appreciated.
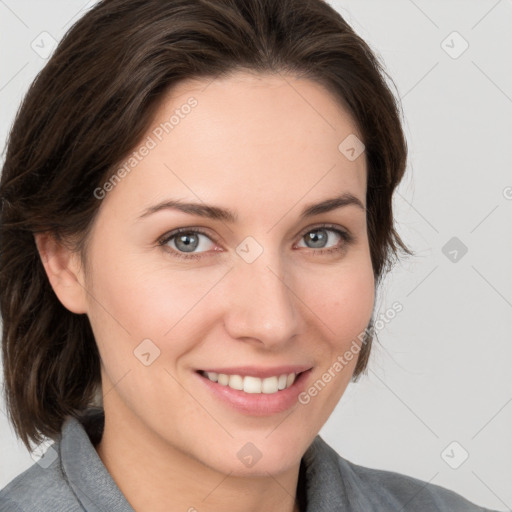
point(40, 488)
point(396, 488)
point(363, 488)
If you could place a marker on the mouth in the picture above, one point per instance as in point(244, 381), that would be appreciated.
point(251, 383)
point(256, 391)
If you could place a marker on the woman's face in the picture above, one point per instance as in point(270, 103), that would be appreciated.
point(267, 293)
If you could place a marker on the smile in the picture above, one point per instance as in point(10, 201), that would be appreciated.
point(256, 391)
point(251, 384)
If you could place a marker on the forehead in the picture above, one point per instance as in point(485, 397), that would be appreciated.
point(250, 107)
point(253, 137)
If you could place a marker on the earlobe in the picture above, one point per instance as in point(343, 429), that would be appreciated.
point(64, 271)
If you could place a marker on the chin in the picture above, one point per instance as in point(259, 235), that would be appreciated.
point(256, 458)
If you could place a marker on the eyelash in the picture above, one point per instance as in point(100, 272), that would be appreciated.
point(345, 236)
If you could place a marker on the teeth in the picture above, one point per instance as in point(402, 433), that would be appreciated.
point(282, 381)
point(252, 385)
point(214, 377)
point(236, 382)
point(223, 379)
point(269, 385)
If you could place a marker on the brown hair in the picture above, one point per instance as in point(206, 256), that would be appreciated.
point(91, 104)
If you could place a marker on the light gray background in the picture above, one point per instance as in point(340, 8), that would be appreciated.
point(441, 372)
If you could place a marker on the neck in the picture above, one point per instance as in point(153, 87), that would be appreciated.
point(157, 477)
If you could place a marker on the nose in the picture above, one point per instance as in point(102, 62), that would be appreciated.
point(261, 304)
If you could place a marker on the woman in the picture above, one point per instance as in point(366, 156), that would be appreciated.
point(196, 214)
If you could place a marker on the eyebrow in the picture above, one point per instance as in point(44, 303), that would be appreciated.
point(227, 215)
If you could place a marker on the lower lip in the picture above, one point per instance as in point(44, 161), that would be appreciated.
point(258, 404)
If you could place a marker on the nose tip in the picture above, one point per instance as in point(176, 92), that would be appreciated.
point(261, 305)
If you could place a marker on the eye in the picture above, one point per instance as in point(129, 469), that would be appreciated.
point(183, 241)
point(320, 236)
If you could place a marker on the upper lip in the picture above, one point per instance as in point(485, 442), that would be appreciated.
point(260, 372)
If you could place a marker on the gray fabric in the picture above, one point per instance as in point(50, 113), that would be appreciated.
point(77, 481)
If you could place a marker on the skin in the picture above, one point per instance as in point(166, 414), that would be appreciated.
point(264, 146)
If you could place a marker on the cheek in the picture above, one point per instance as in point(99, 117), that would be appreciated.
point(343, 303)
point(134, 300)
point(343, 300)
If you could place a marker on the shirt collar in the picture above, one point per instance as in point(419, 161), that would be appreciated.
point(88, 477)
point(320, 475)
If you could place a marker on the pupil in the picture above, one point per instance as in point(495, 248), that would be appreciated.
point(317, 237)
point(186, 240)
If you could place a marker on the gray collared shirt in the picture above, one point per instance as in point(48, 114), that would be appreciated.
point(72, 478)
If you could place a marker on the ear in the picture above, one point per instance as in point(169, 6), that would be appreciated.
point(64, 270)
